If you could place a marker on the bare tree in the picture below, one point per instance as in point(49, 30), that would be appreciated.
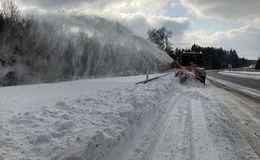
point(10, 10)
point(160, 37)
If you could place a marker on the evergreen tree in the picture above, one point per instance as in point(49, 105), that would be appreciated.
point(218, 58)
point(257, 66)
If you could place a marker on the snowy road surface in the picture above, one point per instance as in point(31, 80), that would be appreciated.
point(249, 75)
point(160, 120)
point(204, 124)
point(246, 81)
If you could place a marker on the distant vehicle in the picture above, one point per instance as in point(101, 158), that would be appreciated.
point(194, 62)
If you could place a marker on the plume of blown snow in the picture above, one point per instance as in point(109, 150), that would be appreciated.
point(111, 32)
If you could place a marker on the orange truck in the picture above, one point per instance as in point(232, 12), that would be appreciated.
point(193, 62)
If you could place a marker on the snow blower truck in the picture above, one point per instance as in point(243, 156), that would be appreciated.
point(192, 62)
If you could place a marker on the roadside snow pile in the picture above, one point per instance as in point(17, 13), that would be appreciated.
point(86, 128)
point(187, 78)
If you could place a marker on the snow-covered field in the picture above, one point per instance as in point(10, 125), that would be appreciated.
point(242, 74)
point(116, 119)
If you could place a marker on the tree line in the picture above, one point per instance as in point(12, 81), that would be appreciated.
point(257, 66)
point(219, 58)
point(216, 58)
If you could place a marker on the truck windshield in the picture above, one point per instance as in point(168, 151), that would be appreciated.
point(192, 59)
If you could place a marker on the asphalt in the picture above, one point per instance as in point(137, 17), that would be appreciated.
point(246, 82)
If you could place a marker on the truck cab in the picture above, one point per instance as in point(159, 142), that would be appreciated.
point(191, 60)
point(194, 61)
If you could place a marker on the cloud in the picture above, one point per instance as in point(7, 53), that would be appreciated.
point(173, 4)
point(244, 39)
point(140, 16)
point(177, 25)
point(123, 5)
point(242, 10)
point(51, 4)
point(141, 24)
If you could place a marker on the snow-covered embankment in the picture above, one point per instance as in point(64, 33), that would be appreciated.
point(113, 116)
point(88, 127)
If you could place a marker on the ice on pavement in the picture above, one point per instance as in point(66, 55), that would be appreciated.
point(72, 120)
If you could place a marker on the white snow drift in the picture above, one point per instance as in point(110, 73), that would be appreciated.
point(69, 123)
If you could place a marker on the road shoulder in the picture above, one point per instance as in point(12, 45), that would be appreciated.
point(252, 93)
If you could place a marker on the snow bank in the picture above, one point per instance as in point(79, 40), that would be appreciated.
point(187, 78)
point(85, 128)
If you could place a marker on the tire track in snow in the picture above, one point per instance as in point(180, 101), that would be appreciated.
point(243, 137)
point(182, 134)
point(164, 136)
point(146, 148)
point(174, 142)
point(186, 136)
point(199, 125)
point(232, 138)
point(203, 143)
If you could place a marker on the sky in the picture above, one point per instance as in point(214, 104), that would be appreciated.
point(230, 24)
